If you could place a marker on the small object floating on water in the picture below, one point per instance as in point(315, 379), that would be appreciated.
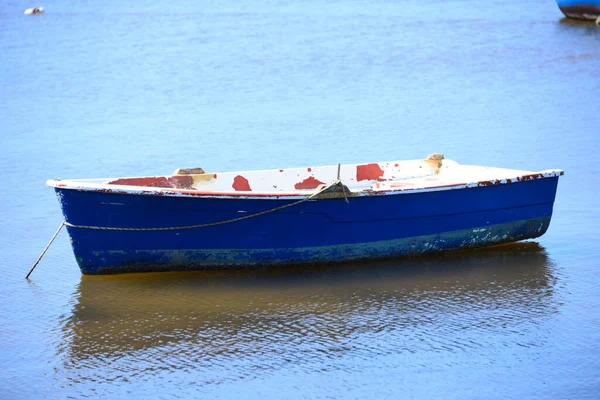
point(580, 9)
point(34, 10)
point(194, 219)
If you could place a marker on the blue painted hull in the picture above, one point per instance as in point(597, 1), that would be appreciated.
point(316, 231)
point(578, 9)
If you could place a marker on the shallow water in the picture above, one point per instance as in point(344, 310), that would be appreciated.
point(132, 89)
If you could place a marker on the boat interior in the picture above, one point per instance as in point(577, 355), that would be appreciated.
point(432, 172)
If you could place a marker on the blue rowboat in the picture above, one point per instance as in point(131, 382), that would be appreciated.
point(580, 9)
point(314, 215)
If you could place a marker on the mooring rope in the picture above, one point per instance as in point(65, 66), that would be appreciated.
point(45, 250)
point(228, 221)
point(106, 228)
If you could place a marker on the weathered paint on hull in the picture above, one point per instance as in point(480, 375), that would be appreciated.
point(207, 259)
point(317, 231)
point(577, 9)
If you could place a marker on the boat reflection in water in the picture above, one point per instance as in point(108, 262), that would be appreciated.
point(138, 324)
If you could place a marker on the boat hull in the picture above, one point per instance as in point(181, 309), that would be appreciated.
point(577, 9)
point(316, 231)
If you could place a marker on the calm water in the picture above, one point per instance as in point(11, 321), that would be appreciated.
point(97, 89)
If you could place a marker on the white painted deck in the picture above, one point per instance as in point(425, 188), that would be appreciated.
point(433, 173)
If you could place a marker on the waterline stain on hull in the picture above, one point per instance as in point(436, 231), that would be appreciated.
point(207, 259)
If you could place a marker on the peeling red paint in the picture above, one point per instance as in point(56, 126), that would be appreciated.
point(368, 172)
point(530, 177)
point(176, 182)
point(241, 184)
point(308, 183)
point(485, 183)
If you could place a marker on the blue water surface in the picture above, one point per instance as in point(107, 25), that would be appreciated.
point(109, 89)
